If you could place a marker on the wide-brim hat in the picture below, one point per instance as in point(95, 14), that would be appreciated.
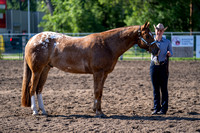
point(160, 27)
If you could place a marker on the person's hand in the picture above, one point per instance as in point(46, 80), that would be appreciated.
point(168, 53)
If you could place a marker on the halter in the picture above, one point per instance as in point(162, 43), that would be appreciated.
point(141, 38)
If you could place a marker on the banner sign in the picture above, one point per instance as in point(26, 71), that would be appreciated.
point(197, 46)
point(182, 41)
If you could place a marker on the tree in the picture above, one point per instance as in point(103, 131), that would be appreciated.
point(195, 15)
point(50, 6)
point(21, 5)
point(84, 16)
point(101, 15)
point(172, 13)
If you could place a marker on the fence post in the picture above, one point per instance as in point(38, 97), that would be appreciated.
point(23, 44)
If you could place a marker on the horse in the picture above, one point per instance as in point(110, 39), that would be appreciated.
point(95, 54)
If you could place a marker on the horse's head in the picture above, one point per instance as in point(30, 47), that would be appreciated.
point(146, 39)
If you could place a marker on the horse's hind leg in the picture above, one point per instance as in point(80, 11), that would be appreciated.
point(34, 82)
point(40, 85)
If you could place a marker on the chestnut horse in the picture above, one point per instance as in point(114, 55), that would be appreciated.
point(95, 54)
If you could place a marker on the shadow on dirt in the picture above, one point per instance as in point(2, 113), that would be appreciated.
point(136, 117)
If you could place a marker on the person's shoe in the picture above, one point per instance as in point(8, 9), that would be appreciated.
point(155, 112)
point(161, 113)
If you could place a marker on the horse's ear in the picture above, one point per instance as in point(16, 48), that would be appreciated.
point(146, 25)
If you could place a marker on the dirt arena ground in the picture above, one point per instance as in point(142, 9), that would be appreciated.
point(127, 101)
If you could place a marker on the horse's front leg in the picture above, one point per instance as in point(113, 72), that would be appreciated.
point(99, 79)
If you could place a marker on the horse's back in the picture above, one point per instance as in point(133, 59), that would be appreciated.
point(41, 46)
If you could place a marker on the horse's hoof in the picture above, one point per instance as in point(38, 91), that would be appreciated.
point(102, 115)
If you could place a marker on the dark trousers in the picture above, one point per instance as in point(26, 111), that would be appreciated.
point(159, 79)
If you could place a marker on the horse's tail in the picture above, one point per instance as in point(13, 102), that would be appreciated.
point(26, 98)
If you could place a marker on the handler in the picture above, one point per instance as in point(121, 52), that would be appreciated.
point(159, 71)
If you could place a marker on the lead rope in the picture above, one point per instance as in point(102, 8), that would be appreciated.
point(167, 65)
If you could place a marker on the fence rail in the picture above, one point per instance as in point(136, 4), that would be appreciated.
point(11, 45)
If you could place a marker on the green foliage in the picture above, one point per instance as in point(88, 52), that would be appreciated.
point(19, 5)
point(100, 15)
point(172, 13)
point(84, 16)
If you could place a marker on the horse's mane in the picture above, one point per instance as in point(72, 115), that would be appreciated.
point(119, 29)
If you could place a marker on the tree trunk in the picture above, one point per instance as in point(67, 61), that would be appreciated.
point(190, 17)
point(49, 6)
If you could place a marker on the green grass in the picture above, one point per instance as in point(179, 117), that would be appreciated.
point(16, 56)
point(184, 58)
point(129, 55)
